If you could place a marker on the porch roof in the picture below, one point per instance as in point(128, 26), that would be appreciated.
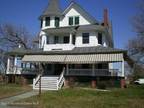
point(72, 29)
point(75, 59)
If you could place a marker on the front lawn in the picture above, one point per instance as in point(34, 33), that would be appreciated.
point(132, 97)
point(7, 90)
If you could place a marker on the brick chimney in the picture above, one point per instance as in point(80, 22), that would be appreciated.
point(106, 20)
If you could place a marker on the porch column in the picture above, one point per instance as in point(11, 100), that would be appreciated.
point(122, 81)
point(8, 65)
point(93, 81)
point(70, 39)
point(122, 75)
point(15, 60)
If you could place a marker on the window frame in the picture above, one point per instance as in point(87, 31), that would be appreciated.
point(64, 41)
point(57, 21)
point(84, 40)
point(56, 39)
point(47, 21)
point(76, 23)
point(72, 19)
point(100, 38)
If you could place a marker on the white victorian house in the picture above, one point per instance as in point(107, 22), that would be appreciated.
point(73, 45)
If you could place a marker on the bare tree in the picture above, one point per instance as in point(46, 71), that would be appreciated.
point(136, 45)
point(13, 36)
point(138, 22)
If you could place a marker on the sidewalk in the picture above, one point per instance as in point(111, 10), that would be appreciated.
point(6, 101)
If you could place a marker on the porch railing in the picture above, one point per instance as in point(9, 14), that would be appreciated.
point(91, 72)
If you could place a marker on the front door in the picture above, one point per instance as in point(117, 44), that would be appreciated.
point(58, 68)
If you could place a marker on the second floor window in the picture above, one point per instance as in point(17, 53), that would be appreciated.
point(47, 40)
point(100, 38)
point(85, 38)
point(57, 20)
point(47, 21)
point(66, 39)
point(56, 39)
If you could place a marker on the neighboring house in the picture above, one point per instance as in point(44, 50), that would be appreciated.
point(72, 45)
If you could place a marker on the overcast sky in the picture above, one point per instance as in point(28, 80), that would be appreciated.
point(26, 12)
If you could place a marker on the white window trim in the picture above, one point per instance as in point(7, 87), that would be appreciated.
point(73, 20)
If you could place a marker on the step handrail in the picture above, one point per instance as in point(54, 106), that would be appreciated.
point(37, 79)
point(60, 79)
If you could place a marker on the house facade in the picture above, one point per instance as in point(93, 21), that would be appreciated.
point(73, 45)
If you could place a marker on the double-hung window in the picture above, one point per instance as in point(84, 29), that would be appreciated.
point(47, 21)
point(74, 20)
point(70, 20)
point(85, 38)
point(100, 38)
point(57, 20)
point(56, 40)
point(66, 39)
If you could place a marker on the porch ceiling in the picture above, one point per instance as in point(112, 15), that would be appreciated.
point(75, 59)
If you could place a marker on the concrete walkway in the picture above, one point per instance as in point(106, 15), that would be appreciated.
point(4, 102)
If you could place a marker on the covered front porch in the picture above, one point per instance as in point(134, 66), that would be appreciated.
point(58, 67)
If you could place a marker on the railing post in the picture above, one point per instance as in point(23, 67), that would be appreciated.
point(33, 83)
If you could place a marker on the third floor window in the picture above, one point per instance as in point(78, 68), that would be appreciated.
point(47, 21)
point(57, 20)
point(74, 20)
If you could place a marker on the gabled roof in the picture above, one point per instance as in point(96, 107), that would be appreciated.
point(53, 8)
point(87, 15)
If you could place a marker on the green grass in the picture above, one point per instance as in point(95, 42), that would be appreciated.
point(132, 97)
point(7, 90)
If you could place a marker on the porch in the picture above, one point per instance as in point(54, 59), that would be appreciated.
point(78, 63)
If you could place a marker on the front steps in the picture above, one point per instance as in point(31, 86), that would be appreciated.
point(49, 83)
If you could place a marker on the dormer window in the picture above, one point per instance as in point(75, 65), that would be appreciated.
point(100, 38)
point(57, 20)
point(47, 21)
point(74, 20)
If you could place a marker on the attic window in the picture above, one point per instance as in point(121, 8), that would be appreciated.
point(77, 20)
point(70, 20)
point(74, 20)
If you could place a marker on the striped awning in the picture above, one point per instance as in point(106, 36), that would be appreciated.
point(94, 58)
point(74, 59)
point(44, 58)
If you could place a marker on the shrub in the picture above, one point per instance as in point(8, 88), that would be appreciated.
point(101, 85)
